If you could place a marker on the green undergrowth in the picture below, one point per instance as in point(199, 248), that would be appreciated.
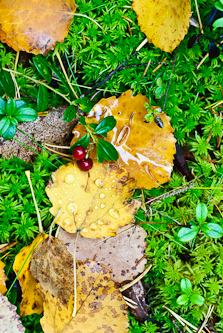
point(93, 53)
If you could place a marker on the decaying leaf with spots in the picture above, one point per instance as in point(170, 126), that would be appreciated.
point(165, 22)
point(35, 25)
point(3, 278)
point(94, 203)
point(31, 301)
point(101, 307)
point(145, 149)
point(52, 266)
point(9, 319)
point(122, 254)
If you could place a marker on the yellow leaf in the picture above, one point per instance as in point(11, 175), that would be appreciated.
point(35, 25)
point(3, 278)
point(94, 203)
point(145, 149)
point(31, 302)
point(101, 307)
point(165, 22)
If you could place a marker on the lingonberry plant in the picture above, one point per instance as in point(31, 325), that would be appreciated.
point(188, 295)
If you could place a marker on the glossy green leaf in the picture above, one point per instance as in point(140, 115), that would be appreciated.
point(186, 286)
point(109, 149)
point(26, 114)
point(42, 98)
point(197, 299)
point(182, 299)
point(7, 83)
point(2, 113)
point(218, 23)
point(10, 107)
point(205, 228)
point(101, 154)
point(219, 5)
point(14, 121)
point(82, 120)
point(4, 124)
point(70, 113)
point(9, 134)
point(2, 103)
point(201, 212)
point(186, 234)
point(84, 142)
point(106, 125)
point(19, 103)
point(216, 230)
point(84, 104)
point(43, 67)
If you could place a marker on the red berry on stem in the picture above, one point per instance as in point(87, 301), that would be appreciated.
point(85, 164)
point(78, 153)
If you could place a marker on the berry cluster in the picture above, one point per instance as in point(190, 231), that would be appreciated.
point(79, 154)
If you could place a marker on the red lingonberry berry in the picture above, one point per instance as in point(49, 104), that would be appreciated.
point(78, 153)
point(85, 164)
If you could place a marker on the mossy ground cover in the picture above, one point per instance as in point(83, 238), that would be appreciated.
point(92, 53)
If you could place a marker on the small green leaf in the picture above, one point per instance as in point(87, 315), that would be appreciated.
point(43, 67)
point(196, 299)
point(19, 103)
point(93, 125)
point(7, 83)
point(101, 154)
point(70, 113)
point(182, 299)
point(201, 212)
point(82, 120)
point(42, 98)
point(10, 107)
point(26, 114)
point(205, 228)
point(2, 103)
point(8, 135)
point(219, 5)
point(216, 230)
point(186, 286)
point(109, 149)
point(218, 23)
point(4, 125)
point(2, 113)
point(84, 142)
point(84, 104)
point(186, 234)
point(14, 121)
point(59, 74)
point(106, 125)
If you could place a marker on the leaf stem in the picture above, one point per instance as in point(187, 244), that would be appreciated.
point(65, 74)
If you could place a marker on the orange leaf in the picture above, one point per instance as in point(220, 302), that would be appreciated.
point(165, 22)
point(31, 302)
point(3, 278)
point(101, 307)
point(35, 26)
point(145, 149)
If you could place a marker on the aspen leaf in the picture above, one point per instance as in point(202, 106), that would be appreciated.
point(145, 149)
point(35, 26)
point(101, 307)
point(31, 301)
point(164, 22)
point(94, 203)
point(122, 254)
point(9, 319)
point(3, 278)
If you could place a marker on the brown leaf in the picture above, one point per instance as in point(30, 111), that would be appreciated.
point(122, 254)
point(3, 278)
point(31, 300)
point(145, 149)
point(137, 294)
point(101, 307)
point(52, 266)
point(35, 26)
point(9, 319)
point(165, 22)
point(94, 203)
